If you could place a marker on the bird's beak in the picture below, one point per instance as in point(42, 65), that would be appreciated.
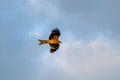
point(60, 42)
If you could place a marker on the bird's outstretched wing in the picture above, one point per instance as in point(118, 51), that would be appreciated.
point(53, 47)
point(55, 34)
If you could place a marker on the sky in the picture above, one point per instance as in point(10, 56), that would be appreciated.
point(90, 35)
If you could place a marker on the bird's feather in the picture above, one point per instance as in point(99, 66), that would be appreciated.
point(53, 47)
point(55, 34)
point(53, 40)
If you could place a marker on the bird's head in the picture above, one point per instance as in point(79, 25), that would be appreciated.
point(60, 42)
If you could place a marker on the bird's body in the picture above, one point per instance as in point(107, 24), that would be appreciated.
point(53, 40)
point(49, 42)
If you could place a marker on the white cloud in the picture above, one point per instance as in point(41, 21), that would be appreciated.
point(85, 58)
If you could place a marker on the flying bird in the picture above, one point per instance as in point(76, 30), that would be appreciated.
point(53, 40)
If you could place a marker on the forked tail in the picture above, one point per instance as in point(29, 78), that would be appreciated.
point(43, 42)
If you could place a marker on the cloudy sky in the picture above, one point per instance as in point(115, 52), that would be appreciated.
point(90, 35)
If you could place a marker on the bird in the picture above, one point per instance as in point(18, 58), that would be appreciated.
point(53, 40)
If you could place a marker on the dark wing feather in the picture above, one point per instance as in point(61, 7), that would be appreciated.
point(53, 47)
point(55, 34)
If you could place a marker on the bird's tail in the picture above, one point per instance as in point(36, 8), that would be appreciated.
point(43, 42)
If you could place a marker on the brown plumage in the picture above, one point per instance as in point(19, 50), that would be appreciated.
point(53, 40)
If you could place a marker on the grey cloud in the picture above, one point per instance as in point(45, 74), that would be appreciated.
point(21, 56)
point(92, 17)
point(83, 17)
point(95, 60)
